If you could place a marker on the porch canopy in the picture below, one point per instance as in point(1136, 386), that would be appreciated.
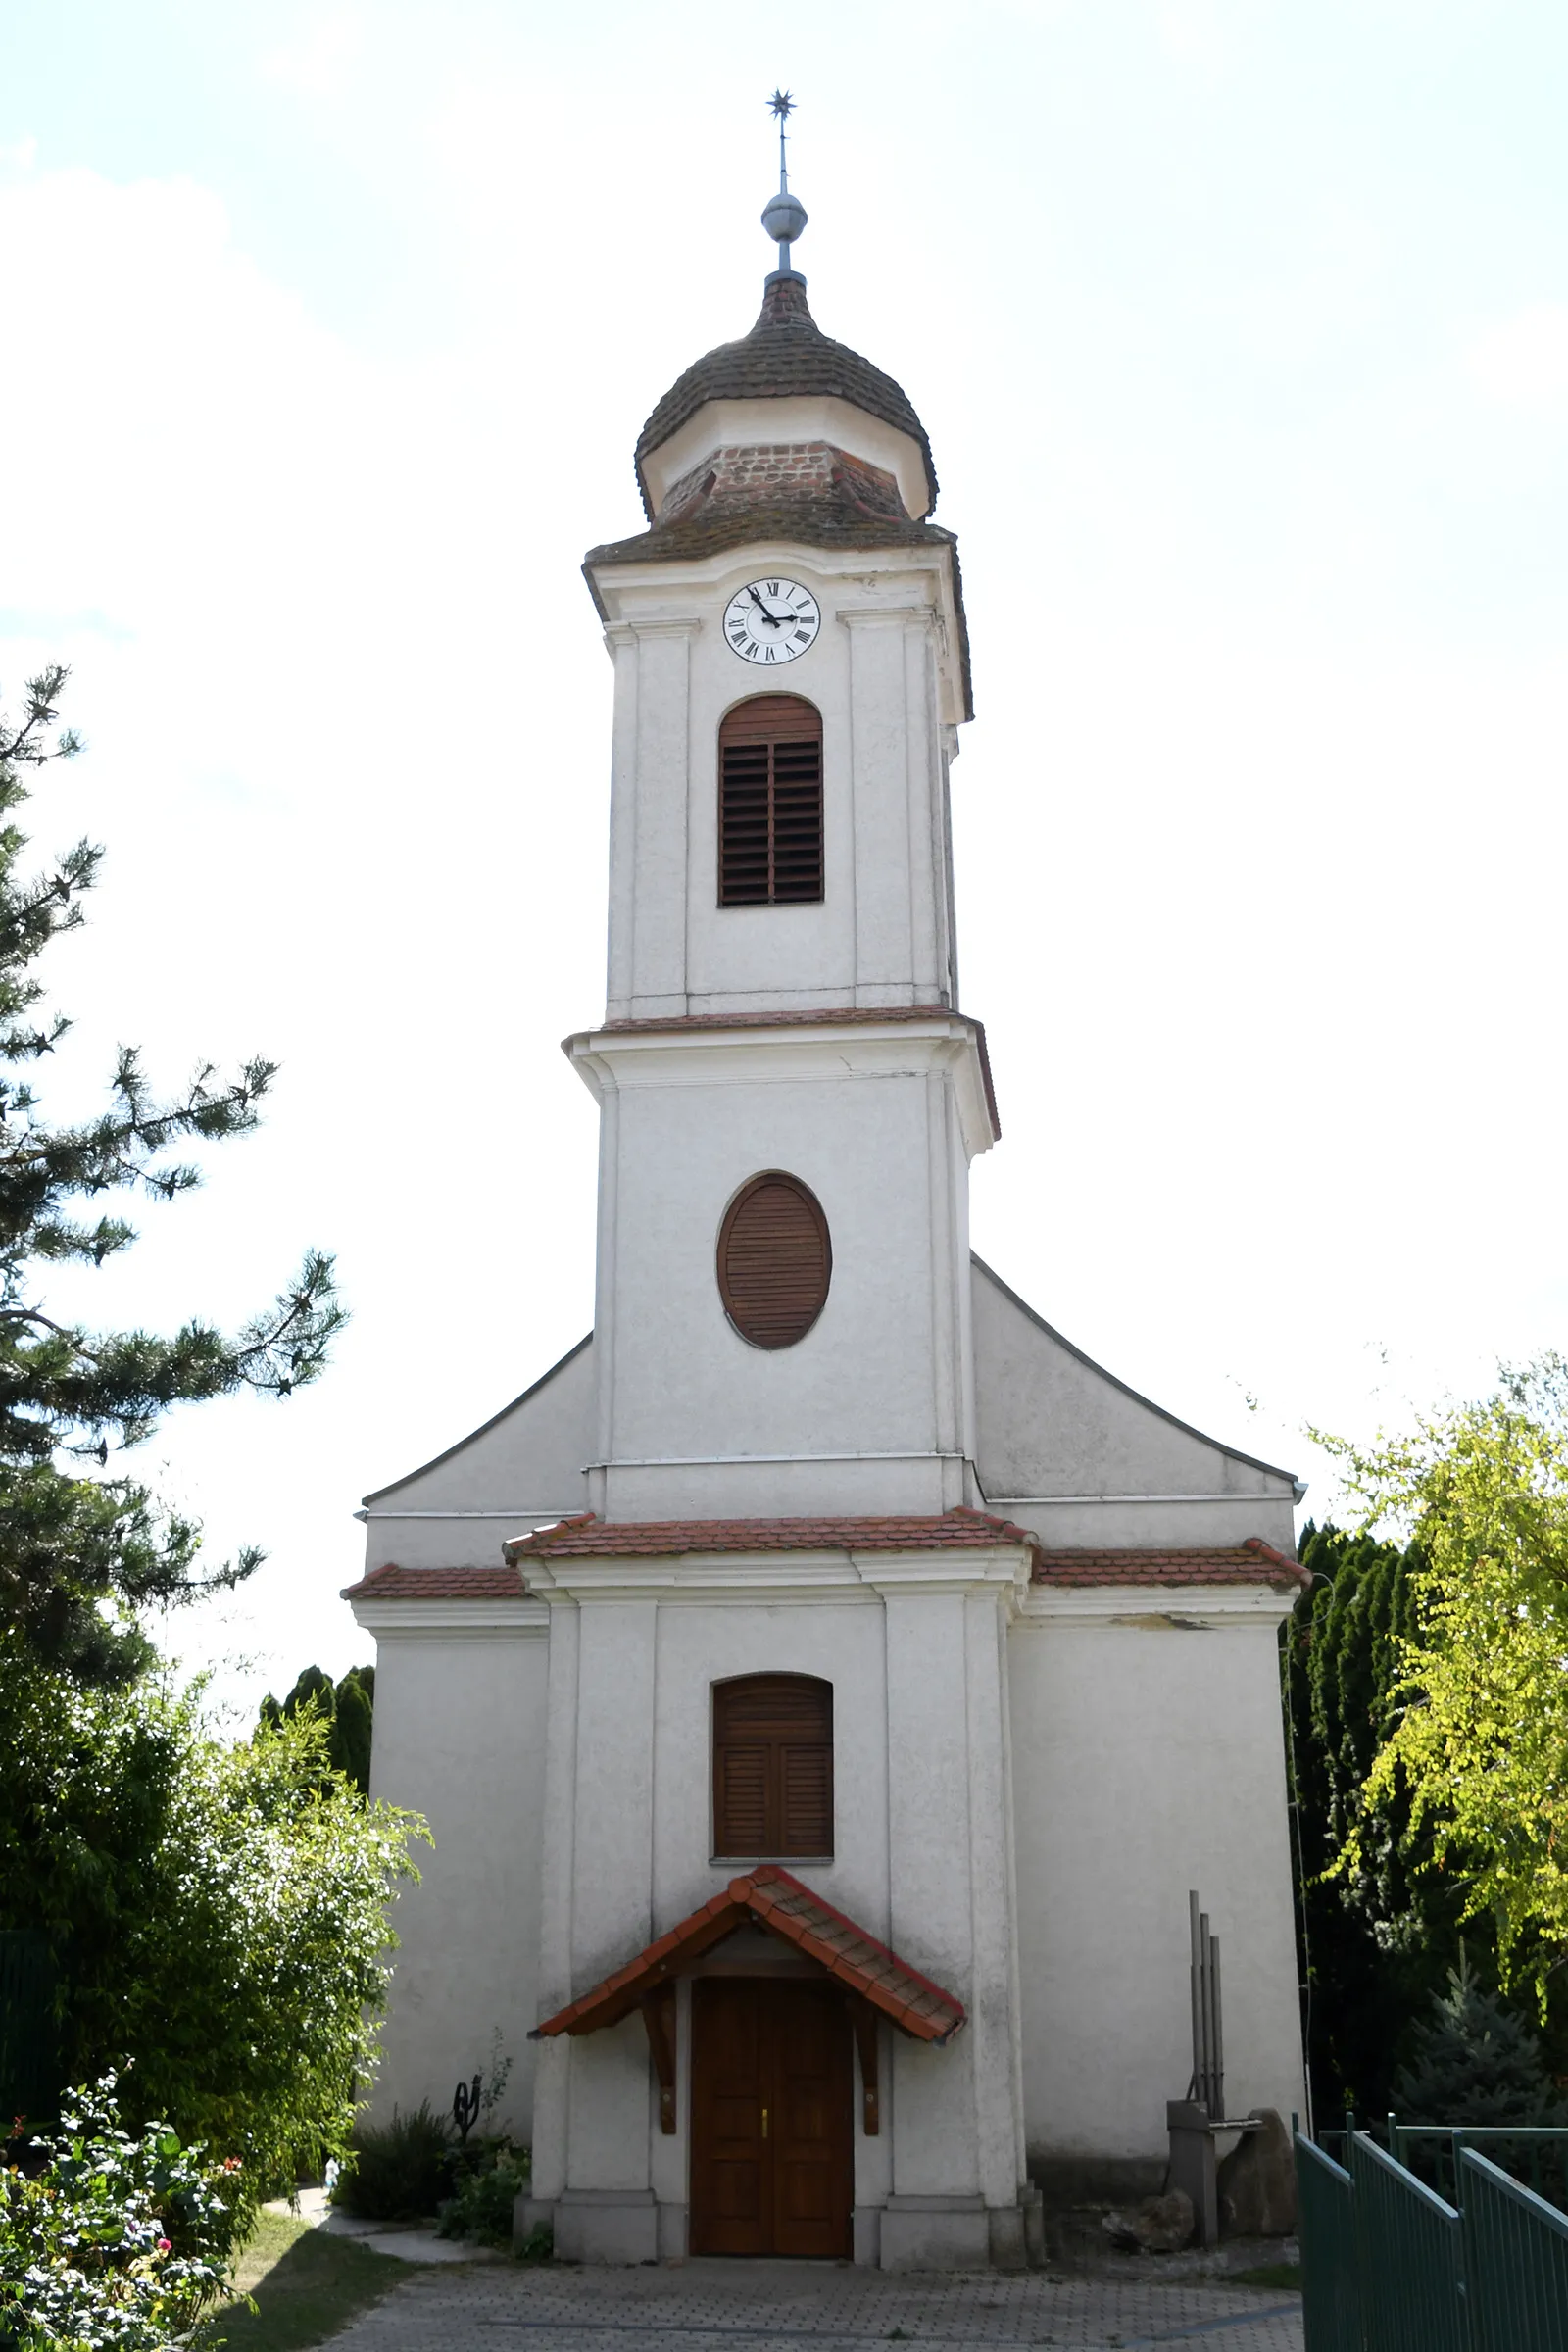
point(773, 1898)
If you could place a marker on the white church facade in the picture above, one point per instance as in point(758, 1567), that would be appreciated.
point(826, 1683)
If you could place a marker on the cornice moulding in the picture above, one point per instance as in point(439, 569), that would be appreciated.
point(453, 1620)
point(611, 1061)
point(777, 1578)
point(1155, 1608)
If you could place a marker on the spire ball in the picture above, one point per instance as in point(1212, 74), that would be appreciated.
point(783, 215)
point(784, 218)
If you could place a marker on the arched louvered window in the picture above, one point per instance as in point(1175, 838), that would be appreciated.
point(770, 803)
point(772, 1767)
point(775, 1260)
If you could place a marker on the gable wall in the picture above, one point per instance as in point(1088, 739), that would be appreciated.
point(1051, 1424)
point(523, 1469)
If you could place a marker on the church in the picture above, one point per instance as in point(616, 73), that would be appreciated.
point(825, 1685)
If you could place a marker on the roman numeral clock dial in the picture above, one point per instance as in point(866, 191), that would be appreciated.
point(769, 622)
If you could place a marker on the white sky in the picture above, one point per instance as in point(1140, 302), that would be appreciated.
point(1241, 331)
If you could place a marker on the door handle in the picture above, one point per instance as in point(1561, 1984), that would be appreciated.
point(764, 2123)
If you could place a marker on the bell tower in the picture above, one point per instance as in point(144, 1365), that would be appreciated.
point(791, 674)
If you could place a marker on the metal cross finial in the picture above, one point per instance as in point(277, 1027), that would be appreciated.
point(784, 216)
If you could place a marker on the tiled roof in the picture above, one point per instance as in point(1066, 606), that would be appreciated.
point(588, 1537)
point(778, 1901)
point(1253, 1562)
point(842, 1014)
point(786, 355)
point(392, 1583)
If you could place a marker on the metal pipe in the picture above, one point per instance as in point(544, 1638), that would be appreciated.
point(1195, 1973)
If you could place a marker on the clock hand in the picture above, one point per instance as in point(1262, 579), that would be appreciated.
point(771, 619)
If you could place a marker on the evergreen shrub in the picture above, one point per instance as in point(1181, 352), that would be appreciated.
point(397, 2171)
point(485, 2191)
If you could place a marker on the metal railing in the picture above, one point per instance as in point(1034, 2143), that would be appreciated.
point(1535, 2154)
point(1389, 2264)
point(1517, 2248)
point(1410, 2258)
point(1331, 2276)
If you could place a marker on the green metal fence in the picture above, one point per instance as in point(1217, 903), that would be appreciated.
point(1517, 2251)
point(1389, 2265)
point(1538, 2156)
point(29, 2066)
point(1410, 2258)
point(1325, 2218)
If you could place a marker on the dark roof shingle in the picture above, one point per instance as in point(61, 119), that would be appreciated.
point(786, 355)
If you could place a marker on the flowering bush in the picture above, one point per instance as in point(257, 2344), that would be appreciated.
point(110, 2244)
point(219, 1911)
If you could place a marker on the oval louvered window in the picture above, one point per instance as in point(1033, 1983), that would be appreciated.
point(770, 803)
point(773, 1767)
point(775, 1260)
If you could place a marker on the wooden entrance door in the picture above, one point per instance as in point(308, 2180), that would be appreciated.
point(772, 2147)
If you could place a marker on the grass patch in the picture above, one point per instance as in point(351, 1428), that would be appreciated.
point(1268, 2274)
point(305, 2284)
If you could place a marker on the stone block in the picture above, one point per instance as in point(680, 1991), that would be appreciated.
point(607, 2224)
point(935, 2233)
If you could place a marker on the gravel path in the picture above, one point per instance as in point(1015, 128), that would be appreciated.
point(702, 2306)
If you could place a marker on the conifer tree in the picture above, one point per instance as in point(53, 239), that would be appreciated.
point(347, 1708)
point(1474, 2062)
point(1378, 1933)
point(81, 1551)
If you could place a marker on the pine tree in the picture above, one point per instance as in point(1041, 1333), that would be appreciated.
point(1474, 2062)
point(80, 1553)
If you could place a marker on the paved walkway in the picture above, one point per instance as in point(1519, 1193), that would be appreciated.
point(703, 2306)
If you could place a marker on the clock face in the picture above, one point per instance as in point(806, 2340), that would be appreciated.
point(771, 621)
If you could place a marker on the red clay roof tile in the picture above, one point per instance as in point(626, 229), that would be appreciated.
point(587, 1537)
point(1253, 1562)
point(392, 1583)
point(778, 1901)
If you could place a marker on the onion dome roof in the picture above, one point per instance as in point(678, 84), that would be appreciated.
point(785, 356)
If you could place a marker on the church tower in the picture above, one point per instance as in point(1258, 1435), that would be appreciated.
point(788, 1675)
point(791, 674)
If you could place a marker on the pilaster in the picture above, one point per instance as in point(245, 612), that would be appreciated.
point(649, 812)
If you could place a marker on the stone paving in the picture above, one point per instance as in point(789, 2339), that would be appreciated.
point(708, 2306)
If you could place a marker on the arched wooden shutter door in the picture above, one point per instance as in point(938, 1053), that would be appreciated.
point(770, 803)
point(775, 1260)
point(773, 1767)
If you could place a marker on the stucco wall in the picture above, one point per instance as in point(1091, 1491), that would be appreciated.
point(883, 676)
point(868, 1412)
point(459, 1730)
point(521, 1469)
point(1148, 1759)
point(1053, 1425)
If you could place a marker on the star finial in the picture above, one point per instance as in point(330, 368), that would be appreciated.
point(781, 106)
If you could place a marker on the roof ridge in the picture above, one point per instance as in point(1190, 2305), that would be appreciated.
point(912, 2001)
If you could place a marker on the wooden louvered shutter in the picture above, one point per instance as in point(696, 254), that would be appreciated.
point(773, 1767)
point(775, 1260)
point(770, 803)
